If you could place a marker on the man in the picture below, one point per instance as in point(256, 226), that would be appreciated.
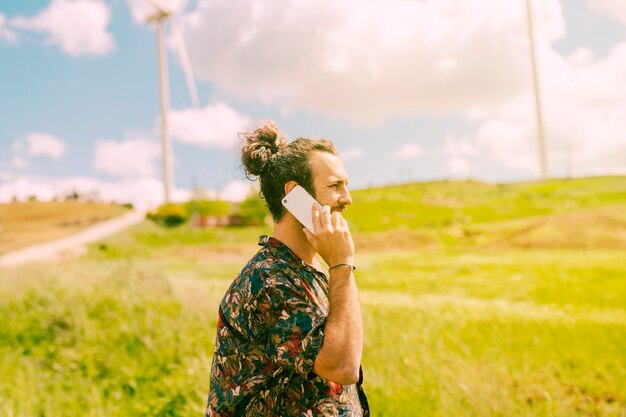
point(290, 334)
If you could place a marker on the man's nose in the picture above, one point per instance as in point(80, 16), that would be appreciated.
point(346, 198)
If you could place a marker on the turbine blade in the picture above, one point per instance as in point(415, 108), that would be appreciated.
point(157, 6)
point(159, 13)
point(186, 63)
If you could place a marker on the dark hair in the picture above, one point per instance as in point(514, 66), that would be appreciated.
point(266, 155)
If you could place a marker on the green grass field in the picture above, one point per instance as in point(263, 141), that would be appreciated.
point(474, 303)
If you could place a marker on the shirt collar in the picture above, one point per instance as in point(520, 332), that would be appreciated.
point(282, 251)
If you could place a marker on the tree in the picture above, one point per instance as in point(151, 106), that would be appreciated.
point(169, 215)
point(206, 208)
point(253, 209)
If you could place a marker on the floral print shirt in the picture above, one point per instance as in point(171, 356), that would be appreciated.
point(269, 332)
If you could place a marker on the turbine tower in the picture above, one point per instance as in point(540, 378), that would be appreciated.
point(159, 17)
point(538, 114)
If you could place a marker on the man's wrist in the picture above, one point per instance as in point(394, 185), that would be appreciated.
point(342, 265)
point(340, 260)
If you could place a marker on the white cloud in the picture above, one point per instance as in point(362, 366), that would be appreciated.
point(143, 9)
point(351, 153)
point(235, 191)
point(509, 144)
point(128, 158)
point(144, 193)
point(17, 162)
point(22, 188)
point(38, 143)
point(581, 56)
point(212, 126)
point(17, 146)
point(367, 60)
point(459, 154)
point(407, 151)
point(79, 27)
point(584, 103)
point(6, 33)
point(613, 9)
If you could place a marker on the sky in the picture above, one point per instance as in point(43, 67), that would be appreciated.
point(408, 90)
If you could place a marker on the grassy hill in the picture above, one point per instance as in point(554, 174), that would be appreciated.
point(33, 222)
point(585, 212)
point(478, 300)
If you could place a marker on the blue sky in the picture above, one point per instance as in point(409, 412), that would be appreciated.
point(407, 90)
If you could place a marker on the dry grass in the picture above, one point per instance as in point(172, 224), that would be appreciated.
point(24, 224)
point(599, 228)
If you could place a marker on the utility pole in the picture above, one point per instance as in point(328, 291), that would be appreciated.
point(533, 61)
point(568, 154)
point(168, 179)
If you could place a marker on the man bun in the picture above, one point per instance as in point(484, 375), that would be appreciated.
point(260, 146)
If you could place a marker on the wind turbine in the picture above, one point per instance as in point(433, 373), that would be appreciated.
point(538, 114)
point(160, 15)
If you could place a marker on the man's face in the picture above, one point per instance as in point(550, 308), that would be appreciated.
point(330, 181)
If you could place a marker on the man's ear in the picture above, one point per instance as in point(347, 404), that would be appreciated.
point(290, 186)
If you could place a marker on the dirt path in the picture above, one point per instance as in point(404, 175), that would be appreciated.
point(74, 245)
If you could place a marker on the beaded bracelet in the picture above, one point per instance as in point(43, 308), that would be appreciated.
point(351, 266)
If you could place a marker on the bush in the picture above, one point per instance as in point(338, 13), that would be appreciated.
point(253, 210)
point(205, 208)
point(169, 215)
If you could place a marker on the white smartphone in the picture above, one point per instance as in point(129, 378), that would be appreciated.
point(300, 204)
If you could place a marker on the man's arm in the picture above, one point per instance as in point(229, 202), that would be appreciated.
point(339, 358)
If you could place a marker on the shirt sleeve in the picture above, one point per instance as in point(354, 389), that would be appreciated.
point(291, 324)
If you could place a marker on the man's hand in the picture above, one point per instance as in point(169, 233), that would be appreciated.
point(340, 355)
point(332, 239)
